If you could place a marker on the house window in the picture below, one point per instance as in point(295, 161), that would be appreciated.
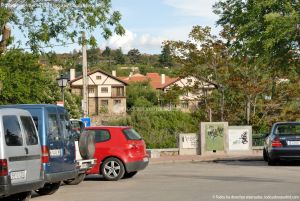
point(104, 103)
point(91, 90)
point(98, 77)
point(104, 89)
point(117, 102)
point(185, 105)
point(117, 91)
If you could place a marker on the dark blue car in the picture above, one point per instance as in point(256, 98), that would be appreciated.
point(283, 143)
point(57, 144)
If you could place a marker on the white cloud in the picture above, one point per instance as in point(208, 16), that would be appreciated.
point(144, 42)
point(202, 8)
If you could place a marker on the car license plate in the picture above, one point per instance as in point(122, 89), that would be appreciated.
point(146, 159)
point(18, 175)
point(55, 152)
point(293, 142)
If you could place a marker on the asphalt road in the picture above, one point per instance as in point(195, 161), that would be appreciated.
point(224, 180)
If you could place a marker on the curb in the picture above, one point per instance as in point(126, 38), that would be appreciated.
point(215, 160)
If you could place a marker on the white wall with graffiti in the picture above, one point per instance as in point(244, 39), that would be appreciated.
point(239, 138)
point(188, 144)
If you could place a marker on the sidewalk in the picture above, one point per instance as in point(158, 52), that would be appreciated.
point(255, 156)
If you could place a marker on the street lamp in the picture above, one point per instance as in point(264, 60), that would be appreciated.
point(62, 83)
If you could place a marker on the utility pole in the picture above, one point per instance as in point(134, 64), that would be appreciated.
point(84, 77)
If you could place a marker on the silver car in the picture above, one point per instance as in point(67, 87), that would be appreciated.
point(20, 155)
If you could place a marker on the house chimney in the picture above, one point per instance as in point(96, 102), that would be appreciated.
point(131, 74)
point(163, 78)
point(72, 74)
point(114, 73)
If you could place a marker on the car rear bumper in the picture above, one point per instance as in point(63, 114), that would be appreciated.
point(137, 165)
point(6, 188)
point(61, 176)
point(285, 154)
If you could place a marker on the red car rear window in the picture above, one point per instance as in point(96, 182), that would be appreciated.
point(131, 134)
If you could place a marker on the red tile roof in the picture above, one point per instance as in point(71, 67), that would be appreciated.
point(153, 78)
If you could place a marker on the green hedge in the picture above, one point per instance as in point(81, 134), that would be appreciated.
point(159, 128)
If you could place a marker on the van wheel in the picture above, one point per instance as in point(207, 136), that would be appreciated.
point(48, 189)
point(112, 169)
point(79, 178)
point(25, 196)
point(129, 174)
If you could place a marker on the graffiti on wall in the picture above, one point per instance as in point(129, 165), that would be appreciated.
point(239, 138)
point(214, 137)
point(189, 141)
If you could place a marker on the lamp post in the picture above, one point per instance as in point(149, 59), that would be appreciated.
point(62, 83)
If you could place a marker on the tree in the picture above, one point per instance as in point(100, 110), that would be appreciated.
point(141, 94)
point(24, 80)
point(93, 55)
point(134, 56)
point(107, 53)
point(262, 31)
point(44, 21)
point(205, 57)
point(119, 56)
point(165, 58)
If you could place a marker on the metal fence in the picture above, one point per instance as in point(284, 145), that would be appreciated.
point(258, 140)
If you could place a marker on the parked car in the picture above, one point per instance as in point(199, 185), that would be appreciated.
point(20, 155)
point(84, 158)
point(120, 152)
point(57, 144)
point(283, 143)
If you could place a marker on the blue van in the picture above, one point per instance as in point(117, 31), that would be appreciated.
point(57, 144)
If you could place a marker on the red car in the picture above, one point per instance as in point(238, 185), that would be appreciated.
point(120, 152)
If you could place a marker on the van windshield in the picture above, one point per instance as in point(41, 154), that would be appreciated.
point(287, 129)
point(131, 134)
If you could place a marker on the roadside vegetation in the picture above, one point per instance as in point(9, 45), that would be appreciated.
point(255, 70)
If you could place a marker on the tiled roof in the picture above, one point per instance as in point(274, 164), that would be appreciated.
point(153, 78)
point(100, 71)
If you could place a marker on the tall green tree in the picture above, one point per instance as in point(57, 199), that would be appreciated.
point(107, 53)
point(119, 56)
point(263, 31)
point(165, 58)
point(59, 20)
point(134, 56)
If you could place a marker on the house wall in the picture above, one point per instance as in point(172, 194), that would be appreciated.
point(97, 81)
point(189, 101)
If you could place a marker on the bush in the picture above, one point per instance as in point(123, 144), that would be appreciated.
point(159, 128)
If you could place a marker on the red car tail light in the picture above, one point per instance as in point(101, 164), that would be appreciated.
point(276, 143)
point(131, 146)
point(3, 167)
point(45, 154)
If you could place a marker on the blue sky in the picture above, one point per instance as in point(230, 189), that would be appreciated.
point(150, 22)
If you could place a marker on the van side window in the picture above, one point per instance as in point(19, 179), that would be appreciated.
point(30, 132)
point(65, 124)
point(12, 130)
point(36, 122)
point(53, 132)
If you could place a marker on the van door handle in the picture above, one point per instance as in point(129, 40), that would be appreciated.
point(26, 150)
